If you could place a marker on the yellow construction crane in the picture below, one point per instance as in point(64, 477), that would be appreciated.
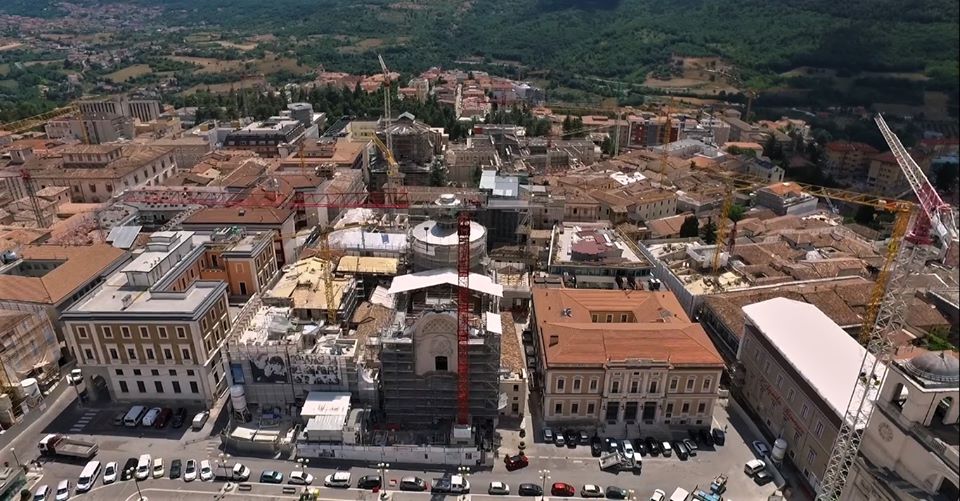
point(387, 112)
point(394, 179)
point(328, 258)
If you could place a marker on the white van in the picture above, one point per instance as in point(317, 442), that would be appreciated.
point(151, 416)
point(200, 419)
point(680, 495)
point(144, 464)
point(134, 415)
point(88, 476)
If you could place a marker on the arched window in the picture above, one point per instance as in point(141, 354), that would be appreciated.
point(900, 394)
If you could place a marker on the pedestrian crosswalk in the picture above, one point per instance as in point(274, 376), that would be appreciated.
point(83, 421)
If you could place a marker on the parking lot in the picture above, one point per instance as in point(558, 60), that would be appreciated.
point(97, 421)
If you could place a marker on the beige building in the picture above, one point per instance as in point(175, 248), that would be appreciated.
point(625, 363)
point(848, 160)
point(910, 447)
point(154, 330)
point(797, 370)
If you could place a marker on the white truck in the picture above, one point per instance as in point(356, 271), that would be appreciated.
point(61, 445)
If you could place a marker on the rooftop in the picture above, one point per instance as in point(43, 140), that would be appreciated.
point(432, 278)
point(73, 267)
point(819, 351)
point(591, 244)
point(302, 285)
point(233, 215)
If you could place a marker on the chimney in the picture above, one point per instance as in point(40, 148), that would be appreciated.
point(554, 340)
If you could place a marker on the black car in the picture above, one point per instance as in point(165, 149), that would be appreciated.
point(691, 446)
point(705, 438)
point(653, 446)
point(584, 438)
point(614, 492)
point(719, 437)
point(611, 444)
point(369, 482)
point(572, 438)
point(128, 468)
point(692, 433)
point(640, 447)
point(529, 490)
point(179, 417)
point(175, 468)
point(596, 448)
point(681, 450)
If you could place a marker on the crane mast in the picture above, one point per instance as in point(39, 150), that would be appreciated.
point(387, 112)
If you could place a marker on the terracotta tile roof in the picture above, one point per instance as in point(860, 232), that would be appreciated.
point(846, 146)
point(511, 355)
point(81, 264)
point(646, 306)
point(232, 215)
point(783, 189)
point(666, 226)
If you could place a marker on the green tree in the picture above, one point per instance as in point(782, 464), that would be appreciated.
point(709, 232)
point(690, 227)
point(438, 175)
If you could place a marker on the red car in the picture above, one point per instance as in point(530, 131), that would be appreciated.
point(163, 418)
point(562, 489)
point(516, 462)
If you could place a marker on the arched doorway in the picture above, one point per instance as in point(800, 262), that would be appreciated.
point(943, 410)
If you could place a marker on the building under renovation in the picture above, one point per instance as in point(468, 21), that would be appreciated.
point(418, 352)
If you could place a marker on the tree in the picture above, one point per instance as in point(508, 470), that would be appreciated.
point(477, 174)
point(607, 146)
point(438, 175)
point(690, 227)
point(709, 232)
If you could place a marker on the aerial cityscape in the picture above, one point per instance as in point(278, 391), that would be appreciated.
point(445, 249)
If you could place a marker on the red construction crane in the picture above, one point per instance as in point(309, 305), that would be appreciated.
point(463, 318)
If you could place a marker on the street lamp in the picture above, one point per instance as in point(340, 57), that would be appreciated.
point(464, 472)
point(384, 468)
point(544, 476)
point(136, 481)
point(224, 457)
point(15, 458)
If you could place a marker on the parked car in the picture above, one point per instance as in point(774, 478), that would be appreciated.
point(413, 484)
point(691, 446)
point(548, 435)
point(42, 493)
point(240, 472)
point(516, 462)
point(118, 417)
point(206, 472)
point(128, 469)
point(200, 419)
point(596, 447)
point(559, 441)
point(762, 477)
point(63, 490)
point(658, 495)
point(339, 479)
point(562, 489)
point(682, 453)
point(640, 447)
point(190, 471)
point(144, 464)
point(369, 482)
point(176, 467)
point(110, 473)
point(300, 477)
point(666, 449)
point(591, 491)
point(158, 468)
point(164, 418)
point(584, 438)
point(753, 466)
point(653, 446)
point(760, 448)
point(151, 417)
point(572, 438)
point(271, 477)
point(498, 489)
point(628, 448)
point(611, 444)
point(705, 437)
point(529, 490)
point(614, 492)
point(179, 417)
point(719, 436)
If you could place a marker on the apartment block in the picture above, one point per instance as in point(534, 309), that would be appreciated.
point(797, 370)
point(623, 363)
point(144, 110)
point(154, 330)
point(848, 160)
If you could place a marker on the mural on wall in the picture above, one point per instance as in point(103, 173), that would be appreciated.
point(305, 368)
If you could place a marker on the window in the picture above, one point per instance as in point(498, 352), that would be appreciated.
point(669, 410)
point(811, 456)
point(149, 352)
point(118, 372)
point(594, 318)
point(653, 387)
point(674, 382)
point(613, 411)
point(159, 386)
point(634, 386)
point(560, 383)
point(707, 385)
point(623, 317)
point(82, 332)
point(176, 386)
point(154, 372)
point(790, 394)
point(167, 354)
point(162, 332)
point(131, 353)
point(796, 437)
point(804, 411)
point(142, 388)
point(701, 407)
point(779, 380)
point(689, 384)
point(88, 353)
point(576, 384)
point(575, 408)
point(558, 408)
point(630, 411)
point(440, 363)
point(123, 387)
point(189, 372)
point(173, 372)
point(594, 383)
point(181, 333)
point(819, 429)
point(615, 387)
point(193, 387)
point(591, 409)
point(685, 408)
point(136, 372)
point(185, 352)
point(609, 318)
point(766, 367)
point(107, 333)
point(113, 354)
